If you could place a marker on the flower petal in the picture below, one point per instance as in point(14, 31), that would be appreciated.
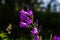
point(30, 12)
point(22, 24)
point(28, 21)
point(23, 17)
point(22, 11)
point(36, 37)
point(34, 31)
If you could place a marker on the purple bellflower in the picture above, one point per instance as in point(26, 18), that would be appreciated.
point(22, 11)
point(30, 12)
point(34, 31)
point(56, 37)
point(23, 17)
point(28, 21)
point(23, 14)
point(22, 24)
point(36, 37)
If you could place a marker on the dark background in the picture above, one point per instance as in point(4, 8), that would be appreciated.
point(8, 14)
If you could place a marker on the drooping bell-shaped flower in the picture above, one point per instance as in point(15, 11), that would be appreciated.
point(56, 37)
point(28, 21)
point(30, 12)
point(34, 31)
point(36, 37)
point(22, 11)
point(23, 17)
point(22, 24)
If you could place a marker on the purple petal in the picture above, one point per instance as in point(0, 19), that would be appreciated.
point(22, 24)
point(23, 17)
point(36, 37)
point(56, 37)
point(22, 11)
point(28, 21)
point(30, 12)
point(34, 31)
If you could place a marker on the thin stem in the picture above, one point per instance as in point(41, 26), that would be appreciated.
point(50, 37)
point(40, 38)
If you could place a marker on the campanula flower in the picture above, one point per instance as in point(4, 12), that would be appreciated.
point(56, 37)
point(36, 37)
point(34, 31)
point(23, 24)
point(23, 17)
point(30, 12)
point(28, 21)
point(22, 11)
